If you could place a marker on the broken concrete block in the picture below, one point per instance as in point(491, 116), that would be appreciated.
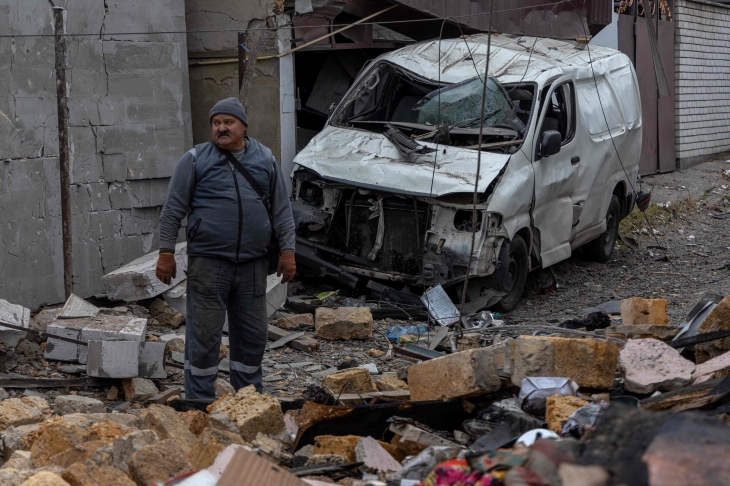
point(15, 412)
point(353, 380)
point(137, 279)
point(252, 413)
point(113, 359)
point(164, 396)
point(210, 443)
point(87, 473)
point(717, 367)
point(158, 462)
point(12, 476)
point(18, 438)
point(63, 350)
point(589, 362)
point(135, 330)
point(176, 297)
point(223, 388)
point(152, 360)
point(55, 438)
point(390, 382)
point(196, 421)
point(649, 365)
point(293, 322)
point(374, 456)
point(124, 447)
point(275, 294)
point(559, 408)
point(168, 424)
point(139, 389)
point(717, 320)
point(77, 307)
point(40, 321)
point(346, 323)
point(339, 445)
point(221, 421)
point(45, 478)
point(16, 315)
point(77, 453)
point(458, 375)
point(644, 311)
point(165, 315)
point(112, 328)
point(19, 460)
point(67, 404)
point(88, 420)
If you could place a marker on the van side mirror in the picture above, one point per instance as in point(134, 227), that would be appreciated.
point(550, 143)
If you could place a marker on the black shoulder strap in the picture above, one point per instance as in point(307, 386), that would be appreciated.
point(247, 175)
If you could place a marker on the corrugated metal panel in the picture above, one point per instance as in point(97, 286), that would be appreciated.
point(539, 18)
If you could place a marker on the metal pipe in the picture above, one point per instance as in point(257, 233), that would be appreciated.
point(63, 154)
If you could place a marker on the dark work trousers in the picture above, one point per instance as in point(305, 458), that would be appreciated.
point(216, 286)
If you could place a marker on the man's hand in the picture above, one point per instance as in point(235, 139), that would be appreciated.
point(287, 266)
point(167, 267)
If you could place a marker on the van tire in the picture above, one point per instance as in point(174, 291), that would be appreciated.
point(519, 264)
point(601, 248)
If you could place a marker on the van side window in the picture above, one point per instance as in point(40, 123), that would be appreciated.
point(560, 112)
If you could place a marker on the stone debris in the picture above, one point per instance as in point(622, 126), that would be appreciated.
point(717, 367)
point(158, 462)
point(17, 315)
point(137, 280)
point(168, 424)
point(354, 380)
point(223, 388)
point(458, 375)
point(336, 445)
point(176, 298)
point(374, 457)
point(165, 315)
point(717, 320)
point(251, 412)
point(19, 411)
point(67, 404)
point(559, 408)
point(644, 311)
point(296, 321)
point(344, 323)
point(139, 389)
point(63, 350)
point(87, 473)
point(649, 365)
point(210, 443)
point(124, 447)
point(45, 478)
point(589, 362)
point(390, 382)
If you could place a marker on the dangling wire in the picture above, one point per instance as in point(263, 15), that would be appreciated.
point(479, 161)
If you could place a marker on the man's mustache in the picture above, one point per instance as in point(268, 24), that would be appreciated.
point(224, 133)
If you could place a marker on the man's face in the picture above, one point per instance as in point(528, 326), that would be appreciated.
point(228, 132)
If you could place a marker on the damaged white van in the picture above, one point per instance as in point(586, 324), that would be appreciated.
point(383, 195)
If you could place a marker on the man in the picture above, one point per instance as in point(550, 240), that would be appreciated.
point(228, 234)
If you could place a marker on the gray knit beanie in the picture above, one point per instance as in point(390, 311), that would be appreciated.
point(229, 106)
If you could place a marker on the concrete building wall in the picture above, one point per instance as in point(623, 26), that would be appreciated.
point(211, 83)
point(129, 105)
point(702, 70)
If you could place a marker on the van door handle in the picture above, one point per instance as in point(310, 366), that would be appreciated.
point(574, 159)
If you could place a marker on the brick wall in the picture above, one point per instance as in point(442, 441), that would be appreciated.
point(702, 71)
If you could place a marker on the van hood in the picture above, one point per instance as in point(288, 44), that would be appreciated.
point(368, 159)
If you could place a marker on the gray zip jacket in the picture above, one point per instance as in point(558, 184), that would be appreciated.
point(226, 218)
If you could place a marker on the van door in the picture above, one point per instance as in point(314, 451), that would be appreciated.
point(556, 176)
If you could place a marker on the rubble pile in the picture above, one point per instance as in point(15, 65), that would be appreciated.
point(95, 396)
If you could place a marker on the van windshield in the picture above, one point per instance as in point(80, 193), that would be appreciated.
point(425, 111)
point(459, 105)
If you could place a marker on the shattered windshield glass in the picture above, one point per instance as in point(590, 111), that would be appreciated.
point(460, 105)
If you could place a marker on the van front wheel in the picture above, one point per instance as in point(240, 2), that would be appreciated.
point(518, 265)
point(601, 248)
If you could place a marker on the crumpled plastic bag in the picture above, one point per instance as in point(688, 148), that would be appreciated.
point(535, 391)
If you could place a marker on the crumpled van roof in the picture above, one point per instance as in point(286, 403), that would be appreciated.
point(510, 55)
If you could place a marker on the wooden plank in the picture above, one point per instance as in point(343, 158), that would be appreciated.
point(303, 343)
point(687, 398)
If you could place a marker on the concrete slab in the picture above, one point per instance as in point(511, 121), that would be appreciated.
point(137, 280)
point(16, 315)
point(110, 328)
point(113, 359)
point(77, 307)
point(176, 297)
point(61, 350)
point(152, 360)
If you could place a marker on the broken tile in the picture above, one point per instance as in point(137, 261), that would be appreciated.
point(77, 307)
point(649, 365)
